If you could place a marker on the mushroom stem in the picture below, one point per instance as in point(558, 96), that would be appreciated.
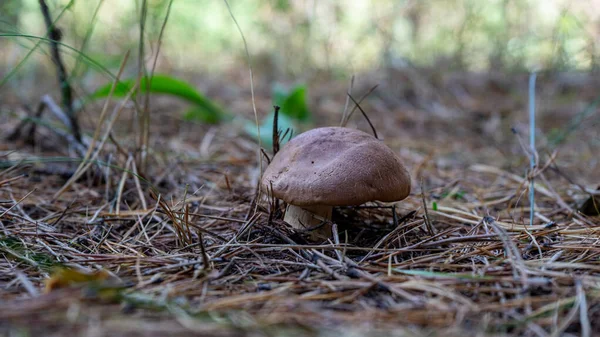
point(304, 218)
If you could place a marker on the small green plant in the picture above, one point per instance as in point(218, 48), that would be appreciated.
point(284, 122)
point(293, 111)
point(203, 109)
point(13, 248)
point(292, 102)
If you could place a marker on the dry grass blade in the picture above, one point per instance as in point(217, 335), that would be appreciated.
point(184, 236)
point(16, 203)
point(364, 115)
point(426, 215)
point(584, 319)
point(356, 105)
point(145, 116)
point(89, 157)
point(251, 82)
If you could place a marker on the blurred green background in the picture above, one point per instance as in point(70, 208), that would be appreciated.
point(291, 38)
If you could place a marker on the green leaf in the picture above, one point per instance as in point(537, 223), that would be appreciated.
point(292, 102)
point(198, 114)
point(266, 129)
point(204, 109)
point(435, 208)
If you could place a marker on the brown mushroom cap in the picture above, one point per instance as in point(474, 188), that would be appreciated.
point(336, 166)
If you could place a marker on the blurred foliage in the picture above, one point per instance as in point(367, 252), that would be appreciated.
point(297, 37)
point(292, 102)
point(204, 109)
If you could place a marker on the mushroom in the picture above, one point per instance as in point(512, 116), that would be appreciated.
point(333, 166)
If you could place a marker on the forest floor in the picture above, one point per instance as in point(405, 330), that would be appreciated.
point(183, 246)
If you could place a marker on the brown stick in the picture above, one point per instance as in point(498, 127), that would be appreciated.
point(275, 130)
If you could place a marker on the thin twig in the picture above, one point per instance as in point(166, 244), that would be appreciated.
point(584, 319)
point(251, 82)
point(146, 118)
point(89, 158)
point(365, 115)
point(427, 219)
point(345, 122)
